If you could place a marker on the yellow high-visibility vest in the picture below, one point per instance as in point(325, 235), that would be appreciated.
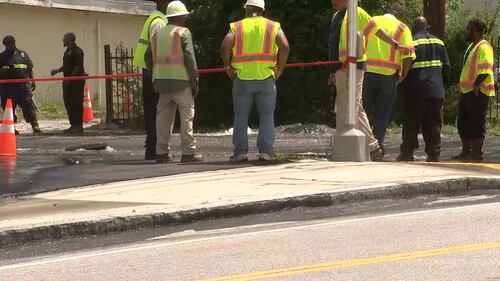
point(169, 56)
point(255, 52)
point(144, 38)
point(479, 61)
point(383, 58)
point(365, 25)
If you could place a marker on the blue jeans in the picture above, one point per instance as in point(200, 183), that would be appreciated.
point(379, 94)
point(263, 92)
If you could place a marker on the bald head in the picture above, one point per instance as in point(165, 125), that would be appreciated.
point(420, 24)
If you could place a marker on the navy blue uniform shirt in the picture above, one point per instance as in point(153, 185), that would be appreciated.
point(7, 62)
point(428, 81)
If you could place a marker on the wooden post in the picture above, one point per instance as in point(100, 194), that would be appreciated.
point(435, 12)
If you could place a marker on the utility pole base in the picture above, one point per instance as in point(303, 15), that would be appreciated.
point(350, 146)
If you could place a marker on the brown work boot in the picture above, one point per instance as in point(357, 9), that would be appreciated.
point(35, 127)
point(377, 155)
point(196, 157)
point(466, 151)
point(164, 158)
point(477, 154)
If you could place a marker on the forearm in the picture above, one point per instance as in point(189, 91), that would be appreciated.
point(283, 51)
point(406, 66)
point(190, 62)
point(385, 37)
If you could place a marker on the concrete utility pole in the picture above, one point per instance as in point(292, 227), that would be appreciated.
point(349, 144)
point(435, 12)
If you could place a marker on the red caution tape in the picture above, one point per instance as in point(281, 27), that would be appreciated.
point(133, 75)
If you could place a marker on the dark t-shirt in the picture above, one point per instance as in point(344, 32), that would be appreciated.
point(73, 58)
point(7, 61)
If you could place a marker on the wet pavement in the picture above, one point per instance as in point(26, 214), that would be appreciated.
point(43, 163)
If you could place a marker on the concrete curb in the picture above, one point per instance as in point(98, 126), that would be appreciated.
point(11, 238)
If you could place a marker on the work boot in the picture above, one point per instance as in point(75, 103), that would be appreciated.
point(196, 157)
point(150, 153)
point(74, 130)
point(477, 154)
point(267, 157)
point(466, 151)
point(242, 157)
point(35, 127)
point(377, 155)
point(164, 158)
point(406, 155)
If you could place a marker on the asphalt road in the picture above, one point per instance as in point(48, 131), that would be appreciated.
point(43, 164)
point(429, 238)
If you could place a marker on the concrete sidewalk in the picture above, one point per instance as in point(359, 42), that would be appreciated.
point(241, 191)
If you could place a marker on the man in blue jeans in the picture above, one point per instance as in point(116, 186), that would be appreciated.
point(254, 52)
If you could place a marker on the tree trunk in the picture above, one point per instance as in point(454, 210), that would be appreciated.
point(434, 11)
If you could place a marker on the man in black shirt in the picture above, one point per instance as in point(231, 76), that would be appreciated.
point(423, 98)
point(72, 90)
point(16, 64)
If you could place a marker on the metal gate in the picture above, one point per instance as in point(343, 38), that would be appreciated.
point(123, 95)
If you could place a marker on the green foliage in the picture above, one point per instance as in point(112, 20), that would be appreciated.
point(303, 94)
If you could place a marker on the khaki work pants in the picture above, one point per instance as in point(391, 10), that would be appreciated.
point(165, 117)
point(362, 122)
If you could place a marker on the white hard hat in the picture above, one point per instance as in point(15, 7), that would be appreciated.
point(175, 9)
point(257, 3)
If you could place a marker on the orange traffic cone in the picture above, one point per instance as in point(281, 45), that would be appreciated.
point(88, 113)
point(7, 132)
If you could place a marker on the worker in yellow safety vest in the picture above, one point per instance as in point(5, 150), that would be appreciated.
point(477, 85)
point(175, 77)
point(384, 68)
point(142, 59)
point(338, 74)
point(254, 53)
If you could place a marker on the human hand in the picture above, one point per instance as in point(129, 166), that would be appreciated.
point(331, 79)
point(33, 86)
point(229, 72)
point(277, 73)
point(476, 90)
point(405, 49)
point(54, 72)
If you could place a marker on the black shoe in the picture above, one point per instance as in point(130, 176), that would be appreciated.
point(164, 158)
point(150, 154)
point(377, 155)
point(16, 132)
point(405, 158)
point(196, 157)
point(74, 130)
point(432, 159)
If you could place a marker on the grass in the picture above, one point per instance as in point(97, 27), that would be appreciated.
point(51, 110)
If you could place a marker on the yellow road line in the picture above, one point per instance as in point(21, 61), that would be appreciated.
point(357, 262)
point(493, 166)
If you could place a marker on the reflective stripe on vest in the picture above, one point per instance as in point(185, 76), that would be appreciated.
point(397, 37)
point(470, 72)
point(255, 52)
point(427, 41)
point(169, 63)
point(17, 66)
point(422, 64)
point(144, 37)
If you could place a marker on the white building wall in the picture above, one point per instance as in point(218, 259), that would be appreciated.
point(39, 32)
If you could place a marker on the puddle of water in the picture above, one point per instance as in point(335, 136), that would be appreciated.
point(7, 171)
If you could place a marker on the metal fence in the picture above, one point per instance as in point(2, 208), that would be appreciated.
point(123, 96)
point(494, 112)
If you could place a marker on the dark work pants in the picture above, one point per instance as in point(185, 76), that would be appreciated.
point(27, 105)
point(73, 101)
point(426, 114)
point(471, 121)
point(379, 94)
point(150, 103)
